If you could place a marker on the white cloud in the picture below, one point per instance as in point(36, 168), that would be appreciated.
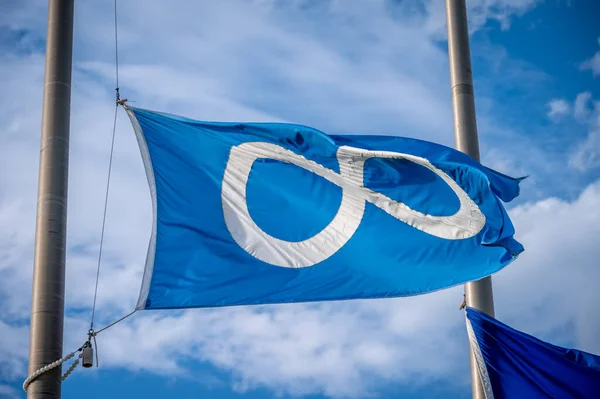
point(338, 349)
point(479, 12)
point(586, 111)
point(558, 108)
point(259, 61)
point(586, 155)
point(581, 110)
point(502, 10)
point(561, 256)
point(592, 64)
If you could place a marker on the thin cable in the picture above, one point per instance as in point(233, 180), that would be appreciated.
point(112, 148)
point(113, 323)
point(116, 53)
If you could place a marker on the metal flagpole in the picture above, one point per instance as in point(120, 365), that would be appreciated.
point(47, 308)
point(478, 294)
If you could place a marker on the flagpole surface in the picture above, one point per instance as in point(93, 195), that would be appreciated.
point(47, 307)
point(478, 294)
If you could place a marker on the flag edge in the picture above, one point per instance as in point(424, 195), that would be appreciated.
point(150, 255)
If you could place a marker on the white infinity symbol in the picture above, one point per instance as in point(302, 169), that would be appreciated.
point(465, 223)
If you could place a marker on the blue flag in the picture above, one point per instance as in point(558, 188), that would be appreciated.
point(513, 364)
point(256, 213)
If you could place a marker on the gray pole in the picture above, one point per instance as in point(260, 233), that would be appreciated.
point(47, 308)
point(478, 294)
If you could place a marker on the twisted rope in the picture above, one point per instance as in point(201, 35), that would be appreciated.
point(49, 367)
point(73, 366)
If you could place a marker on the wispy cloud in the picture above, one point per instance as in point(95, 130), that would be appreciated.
point(584, 156)
point(585, 110)
point(587, 153)
point(479, 13)
point(592, 64)
point(357, 67)
point(558, 108)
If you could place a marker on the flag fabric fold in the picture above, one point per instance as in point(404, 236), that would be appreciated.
point(256, 213)
point(515, 365)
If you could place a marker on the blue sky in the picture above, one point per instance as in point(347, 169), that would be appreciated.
point(341, 66)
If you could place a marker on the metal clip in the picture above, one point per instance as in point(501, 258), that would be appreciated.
point(88, 355)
